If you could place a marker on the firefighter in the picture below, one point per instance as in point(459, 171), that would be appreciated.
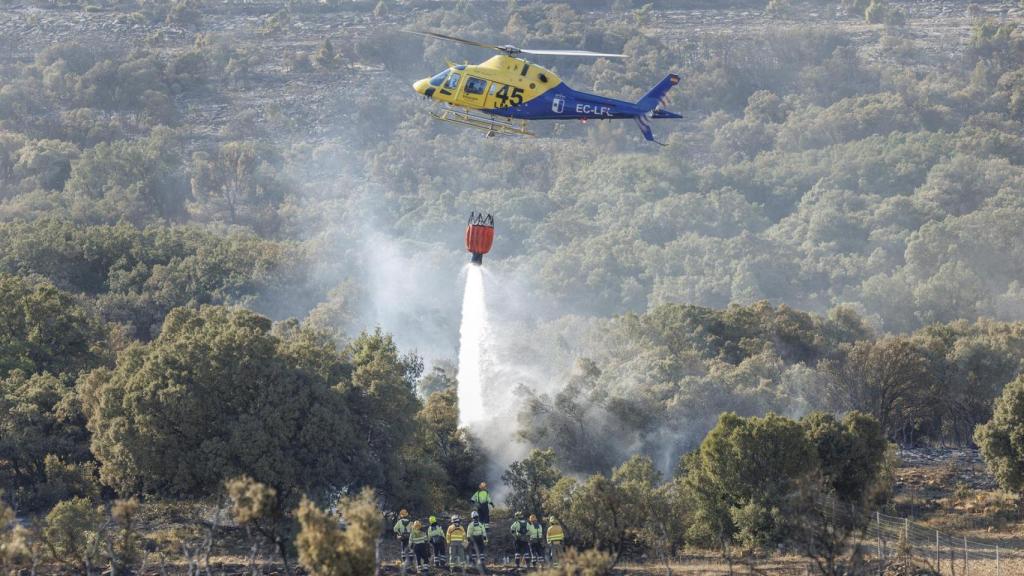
point(483, 503)
point(556, 539)
point(420, 547)
point(520, 540)
point(436, 535)
point(456, 538)
point(477, 532)
point(535, 532)
point(402, 528)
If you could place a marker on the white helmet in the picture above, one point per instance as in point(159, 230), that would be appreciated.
point(474, 515)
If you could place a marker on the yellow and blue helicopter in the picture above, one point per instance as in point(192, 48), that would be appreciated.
point(501, 94)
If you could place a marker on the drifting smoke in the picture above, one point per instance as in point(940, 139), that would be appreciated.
point(472, 337)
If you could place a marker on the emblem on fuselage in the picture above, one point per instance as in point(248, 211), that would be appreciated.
point(558, 104)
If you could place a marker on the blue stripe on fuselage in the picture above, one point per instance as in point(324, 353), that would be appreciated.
point(564, 103)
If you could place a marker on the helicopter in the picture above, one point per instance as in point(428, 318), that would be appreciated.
point(501, 94)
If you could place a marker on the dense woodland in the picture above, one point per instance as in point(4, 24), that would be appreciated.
point(824, 260)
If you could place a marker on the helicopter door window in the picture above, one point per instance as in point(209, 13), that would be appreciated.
point(453, 81)
point(439, 78)
point(476, 86)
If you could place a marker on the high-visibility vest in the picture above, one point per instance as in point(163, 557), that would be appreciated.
point(477, 529)
point(536, 532)
point(456, 533)
point(555, 533)
point(519, 530)
point(481, 497)
point(402, 527)
point(434, 532)
point(417, 537)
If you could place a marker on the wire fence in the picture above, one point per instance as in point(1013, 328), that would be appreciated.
point(898, 541)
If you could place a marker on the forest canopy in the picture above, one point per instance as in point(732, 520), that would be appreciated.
point(230, 234)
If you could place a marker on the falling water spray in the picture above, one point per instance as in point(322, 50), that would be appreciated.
point(472, 335)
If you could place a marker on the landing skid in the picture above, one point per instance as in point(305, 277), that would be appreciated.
point(491, 125)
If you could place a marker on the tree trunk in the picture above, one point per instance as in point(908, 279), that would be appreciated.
point(668, 566)
point(376, 558)
point(208, 543)
point(252, 559)
point(113, 559)
point(282, 548)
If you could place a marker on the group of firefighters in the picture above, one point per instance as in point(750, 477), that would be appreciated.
point(453, 547)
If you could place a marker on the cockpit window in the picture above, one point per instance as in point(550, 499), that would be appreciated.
point(453, 81)
point(437, 80)
point(475, 86)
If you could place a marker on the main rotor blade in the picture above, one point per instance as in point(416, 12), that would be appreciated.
point(512, 50)
point(571, 53)
point(454, 39)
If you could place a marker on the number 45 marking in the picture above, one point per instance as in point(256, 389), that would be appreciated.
point(507, 99)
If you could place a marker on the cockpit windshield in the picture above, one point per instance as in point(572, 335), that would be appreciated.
point(438, 79)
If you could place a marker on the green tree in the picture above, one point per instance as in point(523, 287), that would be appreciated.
point(529, 481)
point(381, 394)
point(138, 181)
point(326, 57)
point(742, 477)
point(44, 446)
point(45, 164)
point(836, 503)
point(607, 513)
point(237, 185)
point(10, 144)
point(888, 378)
point(454, 449)
point(649, 516)
point(66, 478)
point(588, 510)
point(851, 453)
point(43, 329)
point(215, 396)
point(441, 378)
point(73, 535)
point(1001, 439)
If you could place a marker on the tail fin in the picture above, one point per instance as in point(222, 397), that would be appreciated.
point(645, 128)
point(656, 96)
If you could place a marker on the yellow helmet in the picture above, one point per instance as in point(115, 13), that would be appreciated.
point(533, 517)
point(483, 485)
point(403, 513)
point(433, 519)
